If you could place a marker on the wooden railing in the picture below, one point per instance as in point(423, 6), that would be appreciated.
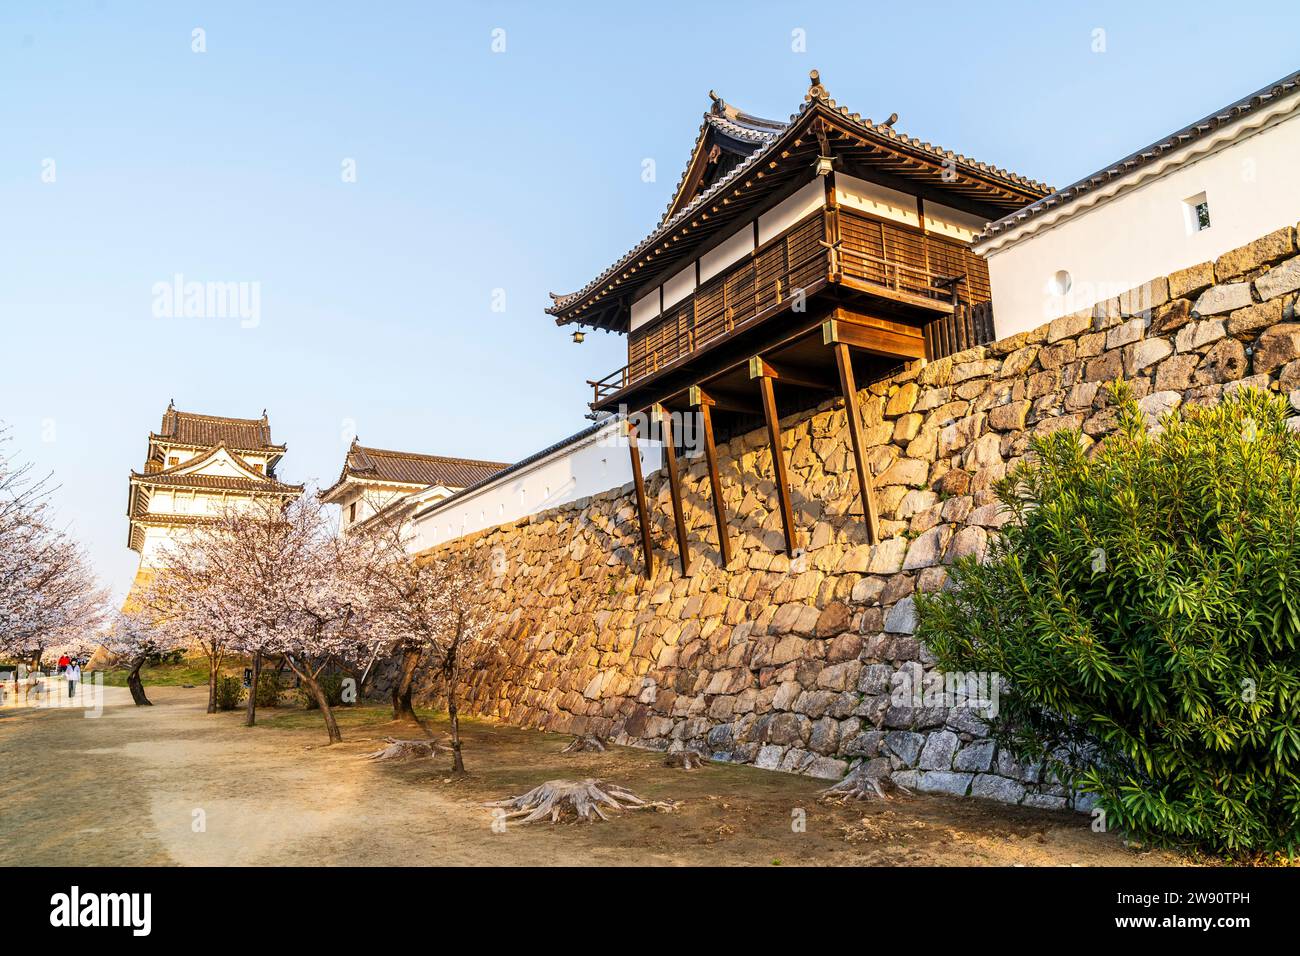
point(970, 324)
point(869, 250)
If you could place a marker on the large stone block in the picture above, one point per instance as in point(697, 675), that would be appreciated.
point(944, 781)
point(1277, 346)
point(1223, 298)
point(976, 756)
point(1190, 281)
point(1140, 300)
point(1261, 252)
point(939, 750)
point(1068, 326)
point(1285, 278)
point(902, 401)
point(905, 471)
point(1009, 417)
point(1141, 355)
point(992, 787)
point(1247, 323)
point(901, 618)
point(1199, 334)
point(905, 745)
point(927, 549)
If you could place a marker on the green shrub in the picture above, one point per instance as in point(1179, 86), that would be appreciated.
point(269, 689)
point(330, 684)
point(230, 691)
point(1143, 608)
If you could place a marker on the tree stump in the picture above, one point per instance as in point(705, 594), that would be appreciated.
point(406, 749)
point(685, 760)
point(862, 783)
point(575, 800)
point(586, 743)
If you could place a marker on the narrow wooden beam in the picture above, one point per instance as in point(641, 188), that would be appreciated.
point(703, 402)
point(759, 367)
point(778, 462)
point(647, 551)
point(674, 486)
point(722, 402)
point(850, 389)
point(878, 341)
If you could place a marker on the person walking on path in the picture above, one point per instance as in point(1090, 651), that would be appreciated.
point(73, 674)
point(64, 661)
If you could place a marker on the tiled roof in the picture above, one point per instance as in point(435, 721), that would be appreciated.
point(190, 428)
point(521, 464)
point(739, 127)
point(1286, 86)
point(409, 468)
point(768, 136)
point(218, 483)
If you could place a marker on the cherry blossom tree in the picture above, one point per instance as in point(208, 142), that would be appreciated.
point(270, 580)
point(134, 637)
point(328, 625)
point(181, 597)
point(48, 595)
point(466, 640)
point(404, 606)
point(424, 607)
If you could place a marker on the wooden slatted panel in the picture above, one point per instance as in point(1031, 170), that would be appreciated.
point(806, 255)
point(859, 234)
point(910, 249)
point(952, 258)
point(739, 295)
point(968, 326)
point(769, 269)
point(710, 309)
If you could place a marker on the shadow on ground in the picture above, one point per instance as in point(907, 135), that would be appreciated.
point(170, 784)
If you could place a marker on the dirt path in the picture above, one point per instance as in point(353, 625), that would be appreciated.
point(170, 784)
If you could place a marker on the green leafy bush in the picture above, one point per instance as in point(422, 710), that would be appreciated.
point(1143, 608)
point(230, 692)
point(269, 689)
point(330, 684)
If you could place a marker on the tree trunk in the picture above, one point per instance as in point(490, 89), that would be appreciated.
point(136, 685)
point(212, 684)
point(36, 661)
point(314, 688)
point(405, 685)
point(252, 691)
point(453, 713)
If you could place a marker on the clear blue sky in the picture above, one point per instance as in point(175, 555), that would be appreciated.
point(476, 171)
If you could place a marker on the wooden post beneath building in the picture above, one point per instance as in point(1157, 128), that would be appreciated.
point(850, 389)
point(701, 401)
point(647, 551)
point(675, 487)
point(760, 370)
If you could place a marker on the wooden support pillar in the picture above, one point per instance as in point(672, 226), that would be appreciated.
point(675, 487)
point(778, 460)
point(850, 389)
point(647, 550)
point(704, 403)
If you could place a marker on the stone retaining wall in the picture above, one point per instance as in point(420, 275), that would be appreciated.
point(789, 664)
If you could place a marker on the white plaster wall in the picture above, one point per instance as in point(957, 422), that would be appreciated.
point(728, 252)
point(679, 286)
point(597, 463)
point(946, 221)
point(791, 209)
point(876, 200)
point(1143, 233)
point(645, 309)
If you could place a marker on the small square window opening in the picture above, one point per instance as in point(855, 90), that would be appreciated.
point(1196, 209)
